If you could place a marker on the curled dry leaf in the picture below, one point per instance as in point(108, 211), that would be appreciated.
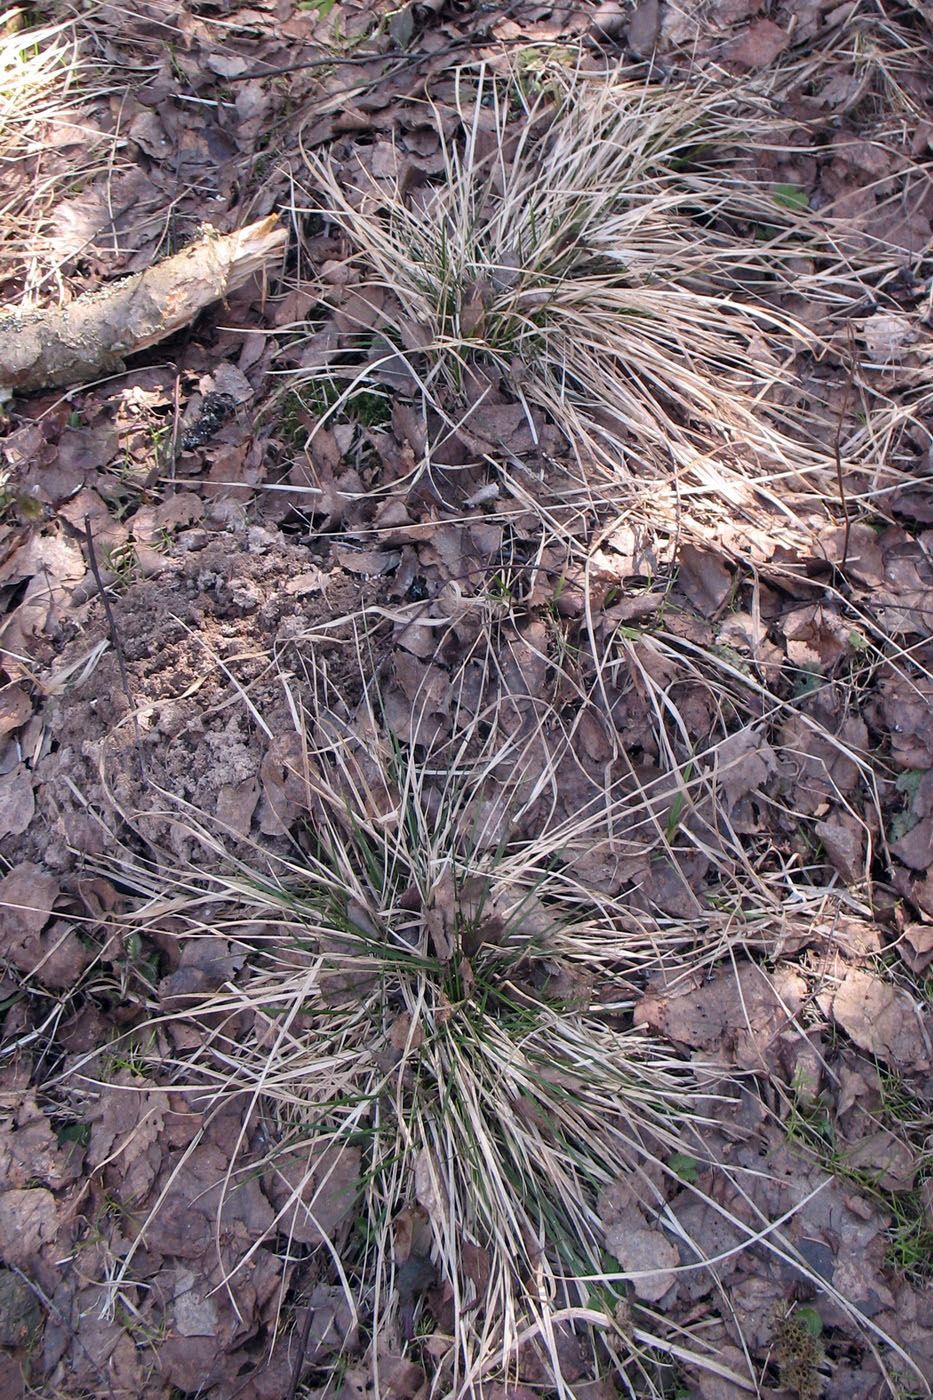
point(429, 1188)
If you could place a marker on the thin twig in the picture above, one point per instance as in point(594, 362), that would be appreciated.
point(837, 455)
point(302, 1351)
point(468, 41)
point(114, 638)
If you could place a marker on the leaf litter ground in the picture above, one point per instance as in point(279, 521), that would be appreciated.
point(467, 905)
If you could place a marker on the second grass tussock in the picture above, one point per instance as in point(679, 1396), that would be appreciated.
point(424, 1014)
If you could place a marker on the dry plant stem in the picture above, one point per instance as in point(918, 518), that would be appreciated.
point(111, 623)
point(302, 1352)
point(73, 344)
point(837, 456)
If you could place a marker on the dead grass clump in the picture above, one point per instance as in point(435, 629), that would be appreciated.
point(424, 1020)
point(429, 1036)
point(47, 82)
point(595, 253)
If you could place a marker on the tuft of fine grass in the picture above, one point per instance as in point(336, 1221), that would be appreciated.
point(596, 253)
point(421, 998)
point(48, 83)
point(435, 1003)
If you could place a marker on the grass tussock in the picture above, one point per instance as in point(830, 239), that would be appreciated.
point(597, 253)
point(425, 1001)
point(434, 1006)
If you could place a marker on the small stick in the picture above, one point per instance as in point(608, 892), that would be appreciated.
point(838, 456)
point(118, 650)
point(300, 1358)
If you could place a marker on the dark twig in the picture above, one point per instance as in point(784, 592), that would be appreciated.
point(117, 648)
point(302, 1352)
point(837, 454)
point(468, 41)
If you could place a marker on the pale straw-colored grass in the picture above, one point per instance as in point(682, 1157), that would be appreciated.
point(50, 81)
point(598, 254)
point(428, 980)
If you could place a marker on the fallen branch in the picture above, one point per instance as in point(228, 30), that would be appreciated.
point(91, 337)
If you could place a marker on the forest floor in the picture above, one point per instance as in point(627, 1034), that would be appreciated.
point(466, 904)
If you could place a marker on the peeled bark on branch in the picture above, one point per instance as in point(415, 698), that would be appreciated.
point(91, 337)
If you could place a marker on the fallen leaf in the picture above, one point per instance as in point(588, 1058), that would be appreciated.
point(15, 708)
point(915, 946)
point(704, 578)
point(17, 802)
point(368, 562)
point(314, 1192)
point(429, 1188)
point(816, 637)
point(759, 45)
point(29, 1220)
point(643, 28)
point(745, 762)
point(55, 956)
point(236, 803)
point(643, 1252)
point(20, 1317)
point(844, 844)
point(610, 18)
point(889, 337)
point(883, 1020)
point(915, 848)
point(126, 1126)
point(440, 917)
point(880, 1155)
point(30, 1153)
point(739, 1014)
